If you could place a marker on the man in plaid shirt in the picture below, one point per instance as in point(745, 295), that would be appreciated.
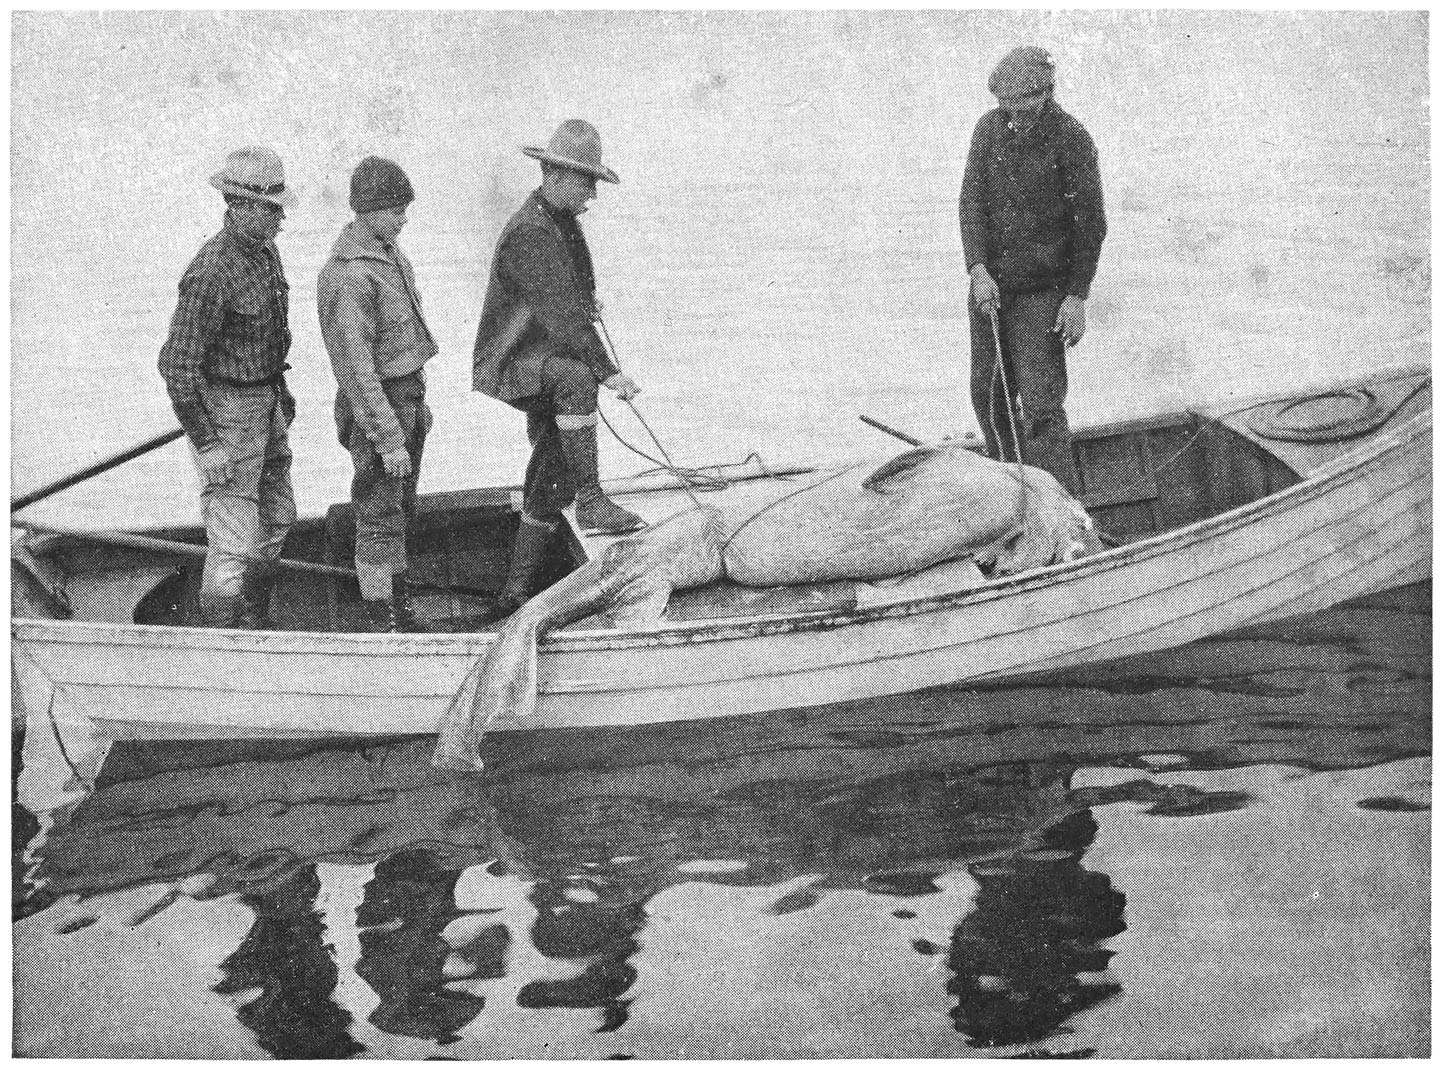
point(224, 367)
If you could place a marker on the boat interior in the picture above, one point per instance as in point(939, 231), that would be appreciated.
point(1140, 478)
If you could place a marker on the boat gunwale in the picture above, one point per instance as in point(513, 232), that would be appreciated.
point(1342, 468)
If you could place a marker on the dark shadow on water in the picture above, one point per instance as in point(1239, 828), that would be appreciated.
point(284, 962)
point(883, 798)
point(408, 902)
point(1030, 955)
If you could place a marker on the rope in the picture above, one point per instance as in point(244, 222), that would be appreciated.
point(779, 500)
point(1011, 414)
point(686, 476)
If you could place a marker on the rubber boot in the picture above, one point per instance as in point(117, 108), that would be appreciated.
point(596, 512)
point(257, 587)
point(404, 610)
point(381, 617)
point(221, 612)
point(532, 546)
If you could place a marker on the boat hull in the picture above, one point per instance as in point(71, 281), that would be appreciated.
point(1358, 525)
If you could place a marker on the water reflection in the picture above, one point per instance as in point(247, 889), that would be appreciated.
point(967, 794)
point(1029, 955)
point(284, 962)
point(407, 904)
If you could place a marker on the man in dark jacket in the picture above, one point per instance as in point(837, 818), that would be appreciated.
point(1032, 219)
point(224, 368)
point(537, 349)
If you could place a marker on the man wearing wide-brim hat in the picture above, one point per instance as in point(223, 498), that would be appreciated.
point(1032, 220)
point(224, 367)
point(537, 349)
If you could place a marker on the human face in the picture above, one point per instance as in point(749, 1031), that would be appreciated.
point(386, 223)
point(257, 220)
point(1023, 109)
point(570, 190)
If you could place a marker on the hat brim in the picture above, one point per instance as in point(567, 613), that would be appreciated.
point(605, 174)
point(285, 198)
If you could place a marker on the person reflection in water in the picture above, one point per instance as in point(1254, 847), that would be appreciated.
point(1018, 958)
point(285, 957)
point(575, 922)
point(407, 904)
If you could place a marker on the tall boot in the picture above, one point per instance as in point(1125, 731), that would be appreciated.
point(596, 512)
point(404, 609)
point(221, 612)
point(532, 545)
point(258, 585)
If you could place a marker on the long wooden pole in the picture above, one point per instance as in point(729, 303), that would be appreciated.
point(182, 548)
point(176, 548)
point(24, 500)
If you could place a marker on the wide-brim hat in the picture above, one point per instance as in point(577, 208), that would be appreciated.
point(576, 146)
point(254, 173)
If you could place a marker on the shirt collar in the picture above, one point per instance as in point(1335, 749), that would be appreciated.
point(558, 215)
point(358, 241)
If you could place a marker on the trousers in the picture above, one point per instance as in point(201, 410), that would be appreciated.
point(570, 392)
point(385, 506)
point(1034, 362)
point(248, 515)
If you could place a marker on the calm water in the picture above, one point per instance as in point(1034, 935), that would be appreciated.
point(1221, 851)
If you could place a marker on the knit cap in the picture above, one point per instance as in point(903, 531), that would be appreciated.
point(377, 184)
point(1023, 71)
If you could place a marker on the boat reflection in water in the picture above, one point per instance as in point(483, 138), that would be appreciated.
point(580, 898)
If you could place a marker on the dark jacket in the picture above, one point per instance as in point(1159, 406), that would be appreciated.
point(540, 301)
point(231, 325)
point(1031, 207)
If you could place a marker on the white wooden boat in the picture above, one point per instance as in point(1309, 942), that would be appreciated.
point(1221, 518)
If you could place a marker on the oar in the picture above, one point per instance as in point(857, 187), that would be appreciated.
point(36, 495)
point(182, 548)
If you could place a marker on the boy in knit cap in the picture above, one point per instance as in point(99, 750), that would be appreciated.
point(1032, 219)
point(375, 333)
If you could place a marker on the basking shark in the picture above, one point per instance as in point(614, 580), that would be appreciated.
point(922, 508)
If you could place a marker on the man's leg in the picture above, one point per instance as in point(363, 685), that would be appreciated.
point(383, 509)
point(1037, 358)
point(276, 514)
point(231, 509)
point(408, 400)
point(574, 394)
point(548, 489)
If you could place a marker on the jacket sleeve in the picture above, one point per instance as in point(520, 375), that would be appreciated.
point(974, 203)
point(347, 307)
point(1081, 166)
point(538, 268)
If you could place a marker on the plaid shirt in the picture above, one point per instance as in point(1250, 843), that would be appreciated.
point(230, 326)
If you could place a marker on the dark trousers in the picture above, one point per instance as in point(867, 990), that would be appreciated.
point(385, 506)
point(1034, 362)
point(571, 392)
